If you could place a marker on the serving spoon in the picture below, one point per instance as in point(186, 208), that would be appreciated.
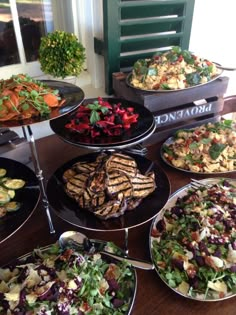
point(224, 68)
point(79, 240)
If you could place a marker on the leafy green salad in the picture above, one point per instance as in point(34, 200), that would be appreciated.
point(193, 244)
point(66, 282)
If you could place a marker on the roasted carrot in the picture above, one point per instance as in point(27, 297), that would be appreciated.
point(23, 97)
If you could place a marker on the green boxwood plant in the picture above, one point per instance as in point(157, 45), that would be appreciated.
point(61, 54)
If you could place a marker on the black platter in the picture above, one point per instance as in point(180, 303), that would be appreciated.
point(68, 210)
point(136, 134)
point(28, 196)
point(72, 94)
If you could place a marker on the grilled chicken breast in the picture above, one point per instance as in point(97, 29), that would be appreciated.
point(90, 200)
point(122, 162)
point(143, 185)
point(118, 182)
point(84, 167)
point(68, 174)
point(112, 208)
point(108, 186)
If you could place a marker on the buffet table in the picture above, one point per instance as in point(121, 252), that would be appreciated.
point(153, 296)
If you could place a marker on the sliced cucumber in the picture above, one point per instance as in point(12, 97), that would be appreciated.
point(4, 197)
point(3, 172)
point(12, 206)
point(14, 183)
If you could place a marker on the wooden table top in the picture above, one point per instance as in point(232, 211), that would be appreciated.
point(153, 296)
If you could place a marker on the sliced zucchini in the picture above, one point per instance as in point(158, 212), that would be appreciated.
point(14, 183)
point(3, 189)
point(12, 206)
point(3, 172)
point(11, 193)
point(3, 179)
point(4, 197)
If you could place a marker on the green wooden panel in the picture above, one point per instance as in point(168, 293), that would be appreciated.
point(186, 28)
point(152, 9)
point(147, 27)
point(150, 42)
point(133, 26)
point(126, 62)
point(111, 12)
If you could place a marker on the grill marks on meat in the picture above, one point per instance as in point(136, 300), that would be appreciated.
point(97, 181)
point(85, 167)
point(108, 186)
point(76, 185)
point(143, 185)
point(123, 163)
point(68, 174)
point(113, 208)
point(88, 199)
point(119, 183)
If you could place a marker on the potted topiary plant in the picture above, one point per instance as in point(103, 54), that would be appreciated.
point(61, 54)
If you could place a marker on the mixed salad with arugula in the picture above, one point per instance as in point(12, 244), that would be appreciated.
point(172, 70)
point(209, 148)
point(66, 282)
point(193, 244)
point(102, 118)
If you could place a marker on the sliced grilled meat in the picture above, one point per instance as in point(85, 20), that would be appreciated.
point(133, 203)
point(76, 185)
point(122, 162)
point(112, 209)
point(108, 186)
point(90, 200)
point(143, 185)
point(79, 180)
point(118, 182)
point(68, 174)
point(85, 167)
point(97, 181)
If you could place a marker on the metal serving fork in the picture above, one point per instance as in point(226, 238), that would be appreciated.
point(196, 184)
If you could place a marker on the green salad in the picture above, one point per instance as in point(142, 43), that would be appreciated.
point(193, 244)
point(66, 282)
point(208, 148)
point(173, 69)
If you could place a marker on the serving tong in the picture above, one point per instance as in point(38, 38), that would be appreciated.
point(82, 242)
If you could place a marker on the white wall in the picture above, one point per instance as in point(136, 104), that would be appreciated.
point(213, 35)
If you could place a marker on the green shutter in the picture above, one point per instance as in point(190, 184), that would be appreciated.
point(137, 29)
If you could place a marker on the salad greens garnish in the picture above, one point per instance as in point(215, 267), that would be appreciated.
point(27, 97)
point(216, 149)
point(95, 107)
point(56, 281)
point(193, 78)
point(193, 243)
point(208, 148)
point(172, 70)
